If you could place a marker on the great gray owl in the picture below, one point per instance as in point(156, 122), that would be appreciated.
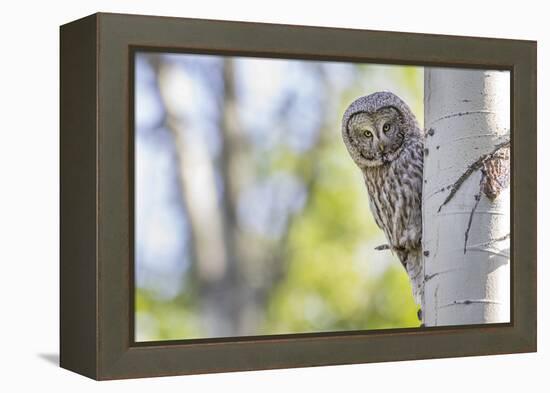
point(383, 138)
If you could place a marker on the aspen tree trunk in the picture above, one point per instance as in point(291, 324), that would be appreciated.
point(466, 226)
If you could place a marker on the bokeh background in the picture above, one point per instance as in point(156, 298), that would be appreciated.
point(251, 218)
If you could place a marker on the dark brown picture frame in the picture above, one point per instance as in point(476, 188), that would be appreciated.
point(97, 196)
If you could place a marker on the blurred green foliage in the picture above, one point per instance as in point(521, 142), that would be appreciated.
point(328, 286)
point(165, 319)
point(333, 278)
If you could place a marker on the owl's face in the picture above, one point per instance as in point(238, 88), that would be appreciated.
point(377, 137)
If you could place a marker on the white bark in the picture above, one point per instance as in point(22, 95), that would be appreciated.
point(467, 278)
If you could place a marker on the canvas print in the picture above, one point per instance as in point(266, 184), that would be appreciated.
point(284, 196)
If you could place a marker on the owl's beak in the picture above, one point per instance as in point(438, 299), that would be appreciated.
point(381, 147)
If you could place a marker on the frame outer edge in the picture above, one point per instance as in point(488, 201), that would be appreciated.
point(78, 190)
point(526, 192)
point(116, 355)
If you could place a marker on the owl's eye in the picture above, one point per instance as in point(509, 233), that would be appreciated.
point(386, 127)
point(368, 134)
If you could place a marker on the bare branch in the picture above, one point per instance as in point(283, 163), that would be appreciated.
point(477, 197)
point(471, 169)
point(382, 247)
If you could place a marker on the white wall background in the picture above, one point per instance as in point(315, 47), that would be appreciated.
point(29, 194)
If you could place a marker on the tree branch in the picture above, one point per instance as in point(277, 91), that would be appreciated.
point(470, 170)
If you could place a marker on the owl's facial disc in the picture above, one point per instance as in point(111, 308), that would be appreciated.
point(376, 137)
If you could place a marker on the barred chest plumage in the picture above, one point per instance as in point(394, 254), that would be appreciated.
point(395, 196)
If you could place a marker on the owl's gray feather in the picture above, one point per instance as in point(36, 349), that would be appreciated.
point(383, 138)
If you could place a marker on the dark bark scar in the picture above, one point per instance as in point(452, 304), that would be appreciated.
point(495, 166)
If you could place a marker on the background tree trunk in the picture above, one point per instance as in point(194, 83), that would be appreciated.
point(231, 281)
point(466, 225)
point(211, 248)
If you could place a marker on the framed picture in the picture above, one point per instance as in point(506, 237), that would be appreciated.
point(242, 196)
